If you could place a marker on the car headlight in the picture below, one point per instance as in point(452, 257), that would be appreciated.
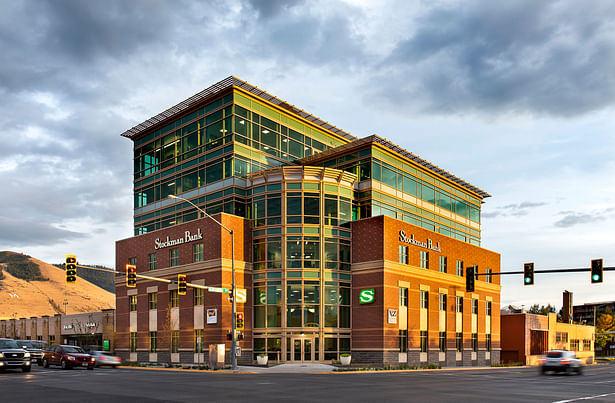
point(70, 358)
point(26, 355)
point(93, 359)
point(1, 355)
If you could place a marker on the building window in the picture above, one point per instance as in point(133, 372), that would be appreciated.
point(442, 341)
point(199, 294)
point(488, 308)
point(52, 339)
point(133, 302)
point(459, 267)
point(587, 345)
point(133, 342)
point(153, 261)
point(174, 257)
point(488, 342)
point(403, 341)
point(175, 341)
point(424, 259)
point(443, 264)
point(459, 341)
point(152, 298)
point(475, 342)
point(475, 306)
point(574, 345)
point(423, 341)
point(488, 275)
point(153, 342)
point(132, 261)
point(199, 340)
point(197, 252)
point(442, 302)
point(459, 304)
point(403, 254)
point(174, 298)
point(424, 299)
point(403, 296)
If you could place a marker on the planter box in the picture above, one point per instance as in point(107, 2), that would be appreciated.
point(262, 360)
point(345, 360)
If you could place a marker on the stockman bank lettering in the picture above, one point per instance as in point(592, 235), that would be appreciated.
point(366, 296)
point(188, 237)
point(427, 245)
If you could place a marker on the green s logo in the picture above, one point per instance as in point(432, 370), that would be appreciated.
point(367, 296)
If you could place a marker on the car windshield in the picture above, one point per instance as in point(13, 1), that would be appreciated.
point(8, 344)
point(554, 354)
point(26, 343)
point(73, 350)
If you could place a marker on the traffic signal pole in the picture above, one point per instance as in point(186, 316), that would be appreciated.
point(575, 270)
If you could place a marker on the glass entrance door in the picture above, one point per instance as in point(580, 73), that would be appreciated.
point(302, 349)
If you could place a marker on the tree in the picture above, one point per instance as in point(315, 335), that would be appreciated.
point(542, 310)
point(605, 322)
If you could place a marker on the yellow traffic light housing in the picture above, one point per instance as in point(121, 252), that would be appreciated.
point(239, 322)
point(131, 275)
point(182, 288)
point(71, 269)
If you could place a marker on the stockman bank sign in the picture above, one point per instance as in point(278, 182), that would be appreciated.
point(188, 237)
point(410, 240)
point(367, 296)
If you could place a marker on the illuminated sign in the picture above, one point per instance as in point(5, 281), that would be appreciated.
point(367, 296)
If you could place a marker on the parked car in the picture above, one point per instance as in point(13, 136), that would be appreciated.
point(12, 356)
point(106, 358)
point(35, 348)
point(68, 357)
point(561, 361)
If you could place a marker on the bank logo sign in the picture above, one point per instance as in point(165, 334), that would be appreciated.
point(188, 237)
point(367, 296)
point(410, 240)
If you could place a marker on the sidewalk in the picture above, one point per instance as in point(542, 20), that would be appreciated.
point(288, 368)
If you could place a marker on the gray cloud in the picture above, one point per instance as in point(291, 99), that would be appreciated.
point(515, 209)
point(553, 58)
point(20, 232)
point(572, 218)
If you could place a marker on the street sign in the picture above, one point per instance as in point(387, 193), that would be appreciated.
point(367, 296)
point(242, 295)
point(218, 289)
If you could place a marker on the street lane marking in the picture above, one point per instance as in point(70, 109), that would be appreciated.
point(585, 398)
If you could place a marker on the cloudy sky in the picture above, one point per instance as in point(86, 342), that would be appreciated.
point(517, 98)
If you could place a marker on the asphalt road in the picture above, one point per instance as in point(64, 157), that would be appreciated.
point(597, 384)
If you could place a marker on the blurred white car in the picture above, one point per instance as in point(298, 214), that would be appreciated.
point(561, 361)
point(106, 358)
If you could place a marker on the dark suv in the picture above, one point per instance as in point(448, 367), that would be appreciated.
point(12, 356)
point(35, 348)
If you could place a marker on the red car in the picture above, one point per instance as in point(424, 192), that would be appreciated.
point(68, 357)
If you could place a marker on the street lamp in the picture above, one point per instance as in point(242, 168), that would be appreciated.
point(234, 302)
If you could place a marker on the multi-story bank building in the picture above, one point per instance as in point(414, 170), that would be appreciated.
point(343, 245)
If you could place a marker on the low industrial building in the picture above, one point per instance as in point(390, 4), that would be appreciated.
point(526, 337)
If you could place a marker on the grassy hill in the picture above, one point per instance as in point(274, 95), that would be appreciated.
point(21, 266)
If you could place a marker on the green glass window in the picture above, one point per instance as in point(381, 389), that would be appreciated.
point(259, 316)
point(293, 206)
point(311, 294)
point(274, 316)
point(293, 294)
point(293, 315)
point(274, 208)
point(330, 315)
point(310, 316)
point(331, 211)
point(241, 126)
point(274, 294)
point(389, 177)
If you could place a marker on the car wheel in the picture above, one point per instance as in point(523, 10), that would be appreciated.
point(26, 369)
point(40, 363)
point(580, 370)
point(64, 364)
point(568, 371)
point(91, 368)
point(45, 363)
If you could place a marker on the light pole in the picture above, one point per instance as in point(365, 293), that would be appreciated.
point(233, 299)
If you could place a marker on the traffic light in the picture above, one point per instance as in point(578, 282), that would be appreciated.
point(131, 275)
point(239, 321)
point(71, 269)
point(597, 271)
point(181, 284)
point(528, 274)
point(229, 335)
point(470, 279)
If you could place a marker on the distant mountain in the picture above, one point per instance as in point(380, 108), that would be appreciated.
point(102, 279)
point(30, 287)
